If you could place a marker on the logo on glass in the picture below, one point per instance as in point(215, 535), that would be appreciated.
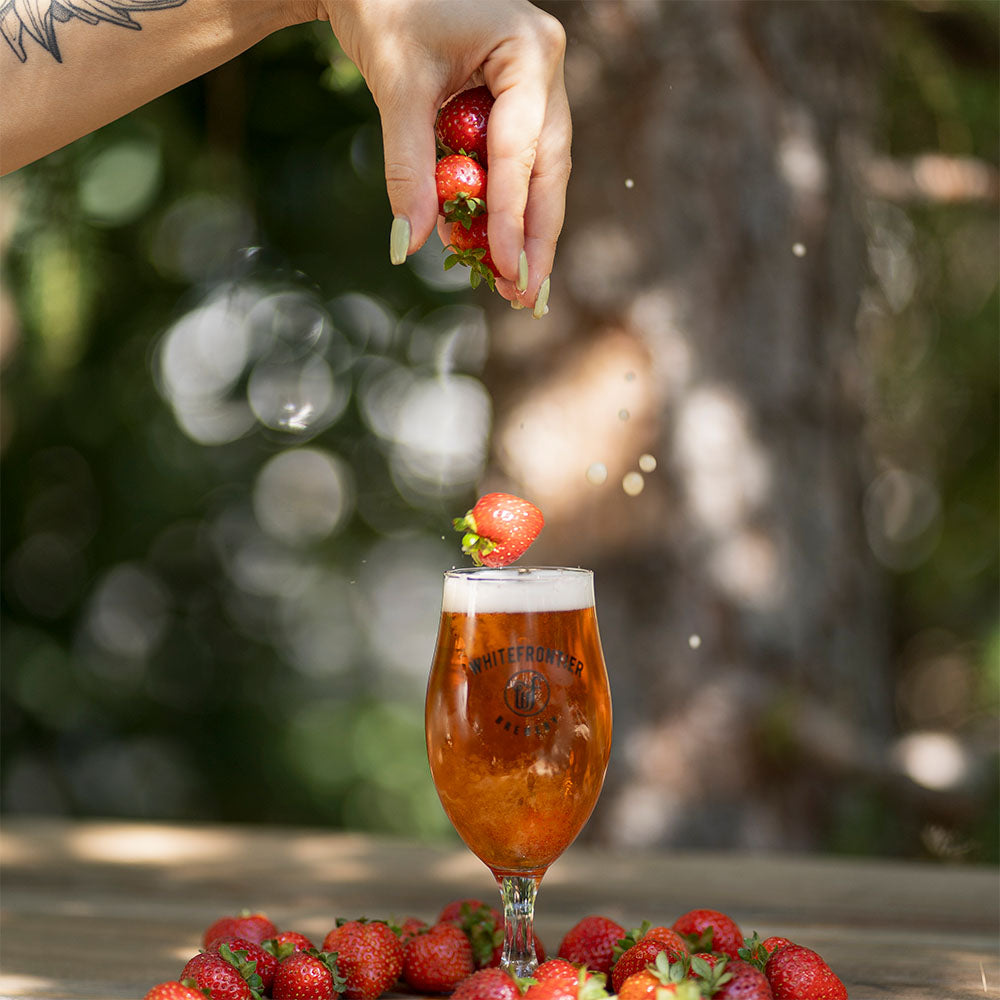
point(527, 693)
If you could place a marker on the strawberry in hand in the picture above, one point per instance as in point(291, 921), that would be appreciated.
point(499, 529)
point(461, 183)
point(461, 123)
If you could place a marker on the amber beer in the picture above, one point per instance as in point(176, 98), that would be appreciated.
point(518, 713)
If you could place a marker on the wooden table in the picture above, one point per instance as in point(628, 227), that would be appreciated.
point(107, 909)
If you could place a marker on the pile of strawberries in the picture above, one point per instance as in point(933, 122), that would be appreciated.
point(702, 955)
point(460, 176)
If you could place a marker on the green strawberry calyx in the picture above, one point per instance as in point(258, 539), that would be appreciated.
point(472, 259)
point(473, 544)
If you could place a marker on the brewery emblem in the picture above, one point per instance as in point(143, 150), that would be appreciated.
point(526, 693)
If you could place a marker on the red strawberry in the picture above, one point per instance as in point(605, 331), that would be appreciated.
point(461, 185)
point(307, 976)
point(249, 926)
point(284, 944)
point(798, 973)
point(591, 942)
point(438, 959)
point(559, 969)
point(773, 943)
point(739, 980)
point(757, 952)
point(220, 980)
point(499, 529)
point(471, 248)
point(725, 934)
point(659, 979)
point(586, 986)
point(488, 984)
point(459, 909)
point(461, 123)
point(242, 952)
point(409, 927)
point(174, 990)
point(369, 957)
point(636, 958)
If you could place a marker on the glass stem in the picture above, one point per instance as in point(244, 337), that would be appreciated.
point(518, 894)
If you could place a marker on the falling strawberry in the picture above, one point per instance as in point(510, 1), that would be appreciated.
point(461, 184)
point(798, 973)
point(461, 123)
point(499, 529)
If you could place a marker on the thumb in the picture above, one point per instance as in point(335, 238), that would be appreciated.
point(408, 141)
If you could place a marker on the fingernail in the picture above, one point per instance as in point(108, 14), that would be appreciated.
point(514, 304)
point(399, 239)
point(522, 272)
point(542, 302)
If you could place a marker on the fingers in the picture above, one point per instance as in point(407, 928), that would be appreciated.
point(408, 140)
point(529, 142)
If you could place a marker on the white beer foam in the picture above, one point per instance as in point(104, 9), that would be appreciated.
point(511, 589)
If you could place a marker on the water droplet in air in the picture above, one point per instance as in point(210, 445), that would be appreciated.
point(633, 483)
point(597, 473)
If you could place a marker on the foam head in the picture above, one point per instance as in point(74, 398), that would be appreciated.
point(511, 588)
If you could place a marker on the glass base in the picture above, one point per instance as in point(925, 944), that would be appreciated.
point(518, 895)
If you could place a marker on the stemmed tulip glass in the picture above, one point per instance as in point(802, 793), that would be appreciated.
point(518, 720)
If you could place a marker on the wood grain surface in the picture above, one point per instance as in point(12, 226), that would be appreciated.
point(107, 909)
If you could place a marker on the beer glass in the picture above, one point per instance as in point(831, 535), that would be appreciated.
point(518, 719)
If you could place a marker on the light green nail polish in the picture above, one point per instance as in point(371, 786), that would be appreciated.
point(399, 240)
point(522, 272)
point(542, 302)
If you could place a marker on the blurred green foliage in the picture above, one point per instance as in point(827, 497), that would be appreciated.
point(177, 644)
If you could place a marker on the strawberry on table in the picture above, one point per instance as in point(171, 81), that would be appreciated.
point(287, 942)
point(483, 926)
point(459, 910)
point(249, 926)
point(174, 990)
point(641, 954)
point(586, 986)
point(499, 529)
point(369, 957)
point(304, 975)
point(461, 123)
point(798, 973)
point(725, 935)
point(248, 957)
point(488, 984)
point(739, 981)
point(409, 927)
point(591, 942)
point(218, 978)
point(659, 979)
point(438, 959)
point(559, 969)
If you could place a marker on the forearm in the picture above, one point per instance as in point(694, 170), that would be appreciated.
point(108, 68)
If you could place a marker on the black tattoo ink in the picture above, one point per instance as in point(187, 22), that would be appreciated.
point(38, 18)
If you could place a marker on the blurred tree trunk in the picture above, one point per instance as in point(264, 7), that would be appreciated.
point(702, 316)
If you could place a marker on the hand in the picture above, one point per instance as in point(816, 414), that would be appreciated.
point(414, 54)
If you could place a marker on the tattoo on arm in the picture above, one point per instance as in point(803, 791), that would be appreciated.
point(38, 18)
